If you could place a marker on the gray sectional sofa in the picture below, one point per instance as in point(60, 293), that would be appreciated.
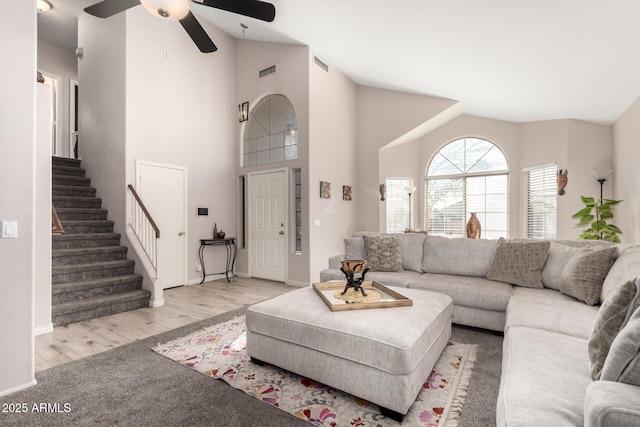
point(546, 296)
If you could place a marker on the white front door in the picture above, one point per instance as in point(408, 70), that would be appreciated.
point(162, 189)
point(267, 193)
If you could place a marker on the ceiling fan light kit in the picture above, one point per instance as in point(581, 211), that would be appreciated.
point(173, 10)
point(178, 10)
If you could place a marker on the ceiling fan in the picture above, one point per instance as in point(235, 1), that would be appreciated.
point(178, 10)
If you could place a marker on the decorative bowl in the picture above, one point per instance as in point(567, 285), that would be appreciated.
point(355, 265)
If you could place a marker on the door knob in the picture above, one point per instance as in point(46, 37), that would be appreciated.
point(181, 233)
point(281, 232)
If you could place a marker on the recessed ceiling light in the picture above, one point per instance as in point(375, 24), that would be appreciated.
point(43, 5)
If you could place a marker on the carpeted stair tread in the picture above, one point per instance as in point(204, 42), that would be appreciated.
point(87, 255)
point(58, 288)
point(89, 240)
point(65, 162)
point(73, 191)
point(79, 181)
point(81, 214)
point(76, 202)
point(87, 226)
point(92, 266)
point(100, 303)
point(63, 293)
point(68, 170)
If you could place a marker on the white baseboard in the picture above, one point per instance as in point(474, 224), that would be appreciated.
point(243, 275)
point(207, 279)
point(15, 389)
point(156, 303)
point(297, 283)
point(41, 330)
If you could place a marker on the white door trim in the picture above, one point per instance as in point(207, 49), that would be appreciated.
point(248, 243)
point(185, 171)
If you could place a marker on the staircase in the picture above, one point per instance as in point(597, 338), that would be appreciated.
point(91, 275)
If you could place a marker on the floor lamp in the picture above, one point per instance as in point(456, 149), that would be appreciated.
point(411, 190)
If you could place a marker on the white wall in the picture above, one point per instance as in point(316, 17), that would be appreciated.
point(181, 111)
point(61, 62)
point(382, 117)
point(17, 134)
point(333, 155)
point(42, 276)
point(626, 174)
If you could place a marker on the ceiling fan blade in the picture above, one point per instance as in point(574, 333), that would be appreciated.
point(108, 8)
point(198, 34)
point(252, 8)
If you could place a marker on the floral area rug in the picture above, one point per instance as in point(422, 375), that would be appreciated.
point(219, 352)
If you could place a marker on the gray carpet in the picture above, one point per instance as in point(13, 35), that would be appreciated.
point(132, 385)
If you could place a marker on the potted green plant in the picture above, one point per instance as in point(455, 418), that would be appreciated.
point(597, 214)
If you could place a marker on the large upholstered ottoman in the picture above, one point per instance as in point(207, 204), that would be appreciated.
point(383, 355)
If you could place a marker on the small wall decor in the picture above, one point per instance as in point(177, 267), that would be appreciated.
point(346, 192)
point(325, 190)
point(383, 192)
point(563, 179)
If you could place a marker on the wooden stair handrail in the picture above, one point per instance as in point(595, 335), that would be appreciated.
point(146, 212)
point(56, 225)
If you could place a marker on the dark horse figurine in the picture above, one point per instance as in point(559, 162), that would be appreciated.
point(354, 283)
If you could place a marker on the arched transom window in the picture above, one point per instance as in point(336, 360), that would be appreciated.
point(467, 175)
point(271, 135)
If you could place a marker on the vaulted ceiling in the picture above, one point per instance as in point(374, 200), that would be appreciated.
point(510, 60)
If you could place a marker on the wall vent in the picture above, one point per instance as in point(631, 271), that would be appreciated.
point(320, 64)
point(267, 71)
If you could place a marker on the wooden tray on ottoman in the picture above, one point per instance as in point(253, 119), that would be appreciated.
point(388, 297)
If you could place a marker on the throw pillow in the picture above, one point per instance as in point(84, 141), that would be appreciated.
point(623, 361)
point(383, 253)
point(612, 315)
point(559, 256)
point(353, 248)
point(412, 251)
point(585, 272)
point(519, 263)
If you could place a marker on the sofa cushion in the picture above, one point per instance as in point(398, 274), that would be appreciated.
point(412, 251)
point(559, 256)
point(467, 291)
point(623, 361)
point(544, 379)
point(626, 267)
point(383, 253)
point(519, 263)
point(612, 316)
point(459, 256)
point(547, 309)
point(585, 272)
point(354, 248)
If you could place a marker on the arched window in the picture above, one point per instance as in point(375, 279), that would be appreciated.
point(467, 175)
point(271, 134)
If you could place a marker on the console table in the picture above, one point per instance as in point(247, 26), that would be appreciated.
point(230, 244)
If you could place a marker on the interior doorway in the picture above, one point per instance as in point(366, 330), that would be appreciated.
point(74, 149)
point(267, 224)
point(163, 190)
point(53, 82)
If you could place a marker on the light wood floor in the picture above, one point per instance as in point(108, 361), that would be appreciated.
point(183, 305)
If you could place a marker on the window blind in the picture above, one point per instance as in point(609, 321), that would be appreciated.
point(398, 203)
point(542, 201)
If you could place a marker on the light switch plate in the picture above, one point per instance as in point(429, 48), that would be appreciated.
point(316, 223)
point(9, 229)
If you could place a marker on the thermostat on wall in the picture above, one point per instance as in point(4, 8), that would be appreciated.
point(203, 211)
